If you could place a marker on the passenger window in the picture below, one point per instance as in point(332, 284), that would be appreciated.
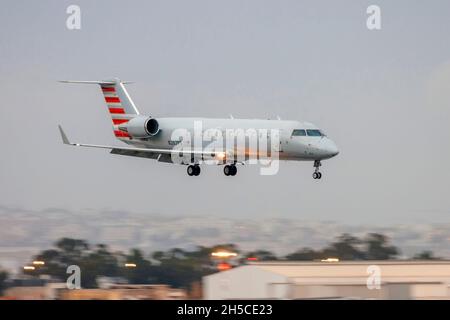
point(299, 133)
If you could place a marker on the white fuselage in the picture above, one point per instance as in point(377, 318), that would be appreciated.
point(297, 140)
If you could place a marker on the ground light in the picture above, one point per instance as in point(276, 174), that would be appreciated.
point(130, 265)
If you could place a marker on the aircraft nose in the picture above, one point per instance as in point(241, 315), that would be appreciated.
point(326, 148)
point(331, 148)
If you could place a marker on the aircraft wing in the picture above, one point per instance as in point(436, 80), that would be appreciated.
point(162, 155)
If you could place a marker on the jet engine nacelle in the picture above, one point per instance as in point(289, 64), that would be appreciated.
point(141, 127)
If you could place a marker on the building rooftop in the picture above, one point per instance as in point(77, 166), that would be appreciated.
point(397, 269)
point(347, 262)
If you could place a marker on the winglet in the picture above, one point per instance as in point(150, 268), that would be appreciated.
point(63, 135)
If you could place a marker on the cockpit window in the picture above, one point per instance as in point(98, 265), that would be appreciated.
point(299, 132)
point(314, 133)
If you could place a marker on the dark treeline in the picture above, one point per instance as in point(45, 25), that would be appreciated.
point(180, 268)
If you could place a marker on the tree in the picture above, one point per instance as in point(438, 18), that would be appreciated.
point(177, 273)
point(71, 250)
point(142, 272)
point(377, 247)
point(426, 255)
point(347, 247)
point(181, 268)
point(203, 256)
point(99, 262)
point(67, 252)
point(304, 254)
point(92, 262)
point(261, 255)
point(3, 278)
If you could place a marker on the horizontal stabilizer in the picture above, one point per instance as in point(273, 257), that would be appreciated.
point(119, 103)
point(104, 82)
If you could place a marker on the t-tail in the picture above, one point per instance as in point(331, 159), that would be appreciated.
point(119, 103)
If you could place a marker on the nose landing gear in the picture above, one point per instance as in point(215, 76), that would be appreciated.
point(317, 174)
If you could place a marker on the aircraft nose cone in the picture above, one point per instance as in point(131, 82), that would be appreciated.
point(326, 148)
point(332, 149)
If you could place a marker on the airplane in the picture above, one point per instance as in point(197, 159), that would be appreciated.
point(152, 138)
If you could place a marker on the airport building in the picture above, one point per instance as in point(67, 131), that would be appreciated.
point(332, 280)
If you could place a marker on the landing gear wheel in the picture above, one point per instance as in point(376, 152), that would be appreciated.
point(190, 170)
point(230, 170)
point(317, 174)
point(196, 170)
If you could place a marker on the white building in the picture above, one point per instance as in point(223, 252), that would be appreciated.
point(332, 280)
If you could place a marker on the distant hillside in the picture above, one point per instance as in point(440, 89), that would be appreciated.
point(25, 232)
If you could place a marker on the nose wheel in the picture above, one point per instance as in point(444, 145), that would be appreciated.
point(317, 174)
point(193, 170)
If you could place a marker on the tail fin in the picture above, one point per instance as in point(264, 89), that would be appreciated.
point(118, 101)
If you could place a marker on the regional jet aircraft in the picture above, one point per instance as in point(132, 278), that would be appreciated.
point(174, 140)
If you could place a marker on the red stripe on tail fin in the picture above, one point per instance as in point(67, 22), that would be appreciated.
point(108, 89)
point(119, 121)
point(112, 99)
point(117, 110)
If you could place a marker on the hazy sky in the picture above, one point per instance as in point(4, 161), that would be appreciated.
point(383, 96)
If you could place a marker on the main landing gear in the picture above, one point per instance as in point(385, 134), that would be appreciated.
point(193, 170)
point(230, 170)
point(317, 174)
